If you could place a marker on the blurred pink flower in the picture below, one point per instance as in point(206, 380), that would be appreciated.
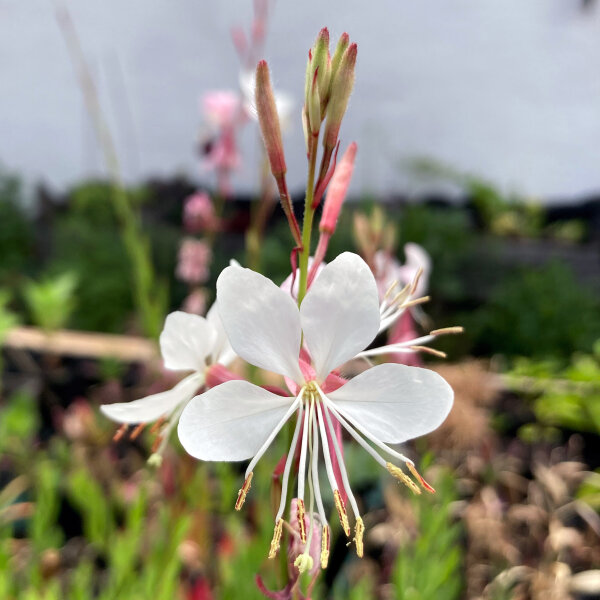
point(195, 302)
point(194, 261)
point(199, 213)
point(221, 108)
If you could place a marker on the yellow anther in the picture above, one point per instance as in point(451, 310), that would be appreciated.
point(359, 530)
point(422, 481)
point(429, 350)
point(276, 541)
point(300, 516)
point(324, 547)
point(446, 330)
point(400, 475)
point(341, 509)
point(244, 492)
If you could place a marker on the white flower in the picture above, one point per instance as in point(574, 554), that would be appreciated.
point(401, 288)
point(187, 343)
point(338, 318)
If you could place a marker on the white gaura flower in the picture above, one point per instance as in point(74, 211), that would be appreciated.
point(339, 316)
point(187, 343)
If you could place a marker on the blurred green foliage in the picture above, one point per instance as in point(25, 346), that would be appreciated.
point(431, 567)
point(563, 397)
point(16, 231)
point(51, 301)
point(541, 313)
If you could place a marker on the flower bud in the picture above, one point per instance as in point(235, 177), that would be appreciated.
point(336, 192)
point(342, 44)
point(314, 107)
point(321, 63)
point(341, 88)
point(269, 120)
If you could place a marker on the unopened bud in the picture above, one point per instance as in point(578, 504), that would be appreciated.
point(341, 88)
point(314, 107)
point(337, 190)
point(269, 120)
point(321, 63)
point(342, 44)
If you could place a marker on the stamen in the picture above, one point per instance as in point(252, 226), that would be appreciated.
point(340, 457)
point(359, 530)
point(157, 442)
point(276, 541)
point(416, 301)
point(344, 419)
point(315, 469)
point(400, 296)
point(416, 280)
point(120, 433)
point(273, 433)
point(400, 475)
point(429, 350)
point(288, 464)
point(390, 289)
point(157, 425)
point(324, 547)
point(136, 432)
point(446, 330)
point(244, 491)
point(303, 450)
point(341, 510)
point(422, 481)
point(300, 512)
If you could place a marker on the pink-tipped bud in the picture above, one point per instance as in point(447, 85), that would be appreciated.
point(336, 192)
point(269, 120)
point(321, 63)
point(341, 88)
point(342, 44)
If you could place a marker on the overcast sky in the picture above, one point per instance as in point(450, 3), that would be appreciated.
point(508, 90)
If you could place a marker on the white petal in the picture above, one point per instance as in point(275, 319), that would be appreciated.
point(394, 402)
point(186, 341)
point(261, 321)
point(340, 313)
point(231, 421)
point(153, 407)
point(416, 258)
point(222, 351)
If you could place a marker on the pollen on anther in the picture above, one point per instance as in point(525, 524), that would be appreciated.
point(136, 432)
point(359, 530)
point(422, 481)
point(341, 509)
point(276, 541)
point(300, 512)
point(244, 492)
point(429, 350)
point(325, 547)
point(120, 433)
point(400, 475)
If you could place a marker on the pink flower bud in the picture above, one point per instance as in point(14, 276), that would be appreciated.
point(193, 261)
point(199, 213)
point(195, 302)
point(297, 548)
point(269, 120)
point(336, 192)
point(341, 88)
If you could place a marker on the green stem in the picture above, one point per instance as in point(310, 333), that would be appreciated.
point(309, 213)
